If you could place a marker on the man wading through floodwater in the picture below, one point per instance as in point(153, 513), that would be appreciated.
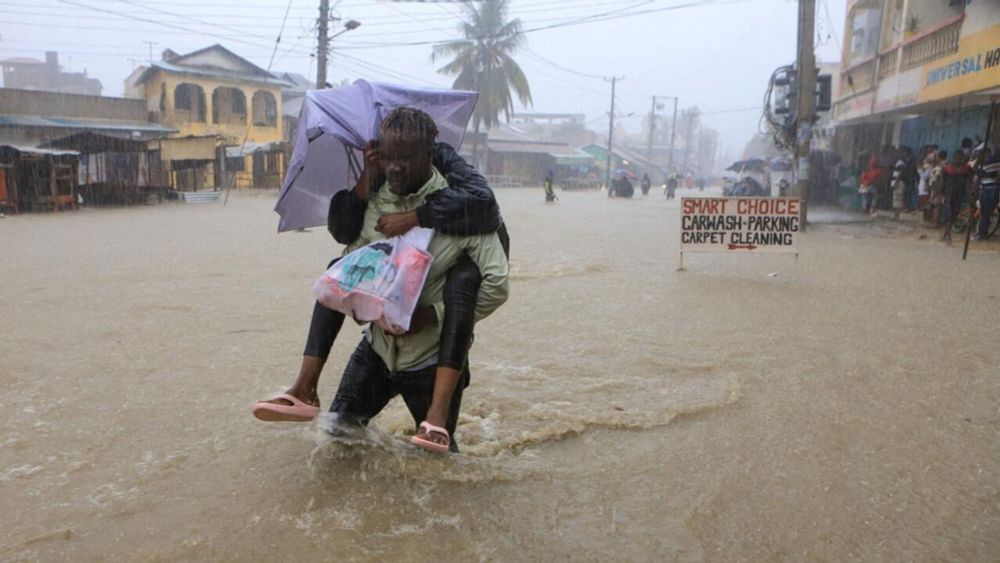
point(428, 365)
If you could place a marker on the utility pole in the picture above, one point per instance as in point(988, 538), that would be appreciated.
point(324, 44)
point(611, 132)
point(805, 100)
point(652, 126)
point(673, 133)
point(687, 139)
point(150, 43)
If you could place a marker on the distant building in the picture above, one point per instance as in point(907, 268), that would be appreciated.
point(215, 100)
point(297, 85)
point(568, 128)
point(31, 74)
point(291, 100)
point(509, 156)
point(622, 158)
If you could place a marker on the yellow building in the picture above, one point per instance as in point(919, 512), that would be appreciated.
point(917, 73)
point(227, 113)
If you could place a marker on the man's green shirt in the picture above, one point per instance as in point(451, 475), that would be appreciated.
point(403, 353)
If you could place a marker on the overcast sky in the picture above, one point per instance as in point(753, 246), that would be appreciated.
point(717, 55)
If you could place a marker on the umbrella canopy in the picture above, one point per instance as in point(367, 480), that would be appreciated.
point(780, 164)
point(335, 125)
point(752, 164)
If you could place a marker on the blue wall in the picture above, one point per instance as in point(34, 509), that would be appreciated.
point(945, 129)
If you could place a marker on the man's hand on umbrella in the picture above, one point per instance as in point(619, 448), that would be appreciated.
point(395, 224)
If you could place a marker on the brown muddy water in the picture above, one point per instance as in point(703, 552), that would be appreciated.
point(619, 410)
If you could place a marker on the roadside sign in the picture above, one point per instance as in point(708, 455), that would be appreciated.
point(739, 224)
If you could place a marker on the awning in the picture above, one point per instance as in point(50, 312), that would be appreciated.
point(188, 148)
point(577, 157)
point(531, 147)
point(251, 148)
point(39, 151)
point(88, 142)
point(143, 128)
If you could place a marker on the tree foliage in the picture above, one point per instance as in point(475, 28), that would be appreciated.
point(483, 61)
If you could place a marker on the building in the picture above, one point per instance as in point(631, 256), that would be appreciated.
point(217, 101)
point(30, 118)
point(113, 170)
point(31, 74)
point(688, 147)
point(292, 97)
point(568, 128)
point(623, 158)
point(510, 157)
point(67, 126)
point(34, 179)
point(916, 73)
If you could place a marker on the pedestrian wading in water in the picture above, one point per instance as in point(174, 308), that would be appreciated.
point(408, 181)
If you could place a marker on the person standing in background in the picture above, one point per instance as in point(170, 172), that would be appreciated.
point(987, 170)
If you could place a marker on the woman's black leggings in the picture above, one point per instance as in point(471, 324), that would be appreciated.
point(460, 292)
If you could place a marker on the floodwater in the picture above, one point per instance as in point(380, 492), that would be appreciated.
point(847, 408)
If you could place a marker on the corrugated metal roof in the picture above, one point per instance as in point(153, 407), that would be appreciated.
point(217, 73)
point(22, 61)
point(36, 150)
point(68, 123)
point(576, 157)
point(539, 147)
point(251, 148)
point(292, 108)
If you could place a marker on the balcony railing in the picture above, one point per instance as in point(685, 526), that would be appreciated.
point(937, 42)
point(888, 63)
point(858, 78)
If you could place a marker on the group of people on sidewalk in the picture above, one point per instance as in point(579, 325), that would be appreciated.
point(409, 180)
point(940, 186)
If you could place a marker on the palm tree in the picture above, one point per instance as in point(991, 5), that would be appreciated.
point(483, 62)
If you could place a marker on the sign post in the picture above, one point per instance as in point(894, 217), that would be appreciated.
point(740, 224)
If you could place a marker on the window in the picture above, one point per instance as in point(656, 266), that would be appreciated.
point(265, 110)
point(239, 102)
point(229, 106)
point(189, 101)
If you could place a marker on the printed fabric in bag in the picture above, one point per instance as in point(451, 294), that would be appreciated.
point(379, 282)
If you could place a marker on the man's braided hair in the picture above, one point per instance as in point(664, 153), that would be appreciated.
point(409, 124)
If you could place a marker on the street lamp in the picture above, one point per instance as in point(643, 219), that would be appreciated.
point(351, 24)
point(324, 46)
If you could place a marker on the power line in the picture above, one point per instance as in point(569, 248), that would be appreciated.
point(386, 70)
point(196, 20)
point(737, 110)
point(250, 122)
point(607, 16)
point(535, 55)
point(164, 24)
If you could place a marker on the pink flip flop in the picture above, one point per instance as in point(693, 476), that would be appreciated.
point(298, 411)
point(428, 428)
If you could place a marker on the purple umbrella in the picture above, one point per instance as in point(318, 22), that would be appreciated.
point(335, 125)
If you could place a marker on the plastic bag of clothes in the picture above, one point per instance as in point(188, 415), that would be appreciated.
point(379, 282)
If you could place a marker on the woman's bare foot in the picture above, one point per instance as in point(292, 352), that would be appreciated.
point(304, 388)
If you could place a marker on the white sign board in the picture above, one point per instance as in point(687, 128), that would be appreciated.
point(740, 224)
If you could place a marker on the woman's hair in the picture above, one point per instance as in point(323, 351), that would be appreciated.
point(409, 124)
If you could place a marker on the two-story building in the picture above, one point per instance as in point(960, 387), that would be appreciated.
point(916, 73)
point(227, 113)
